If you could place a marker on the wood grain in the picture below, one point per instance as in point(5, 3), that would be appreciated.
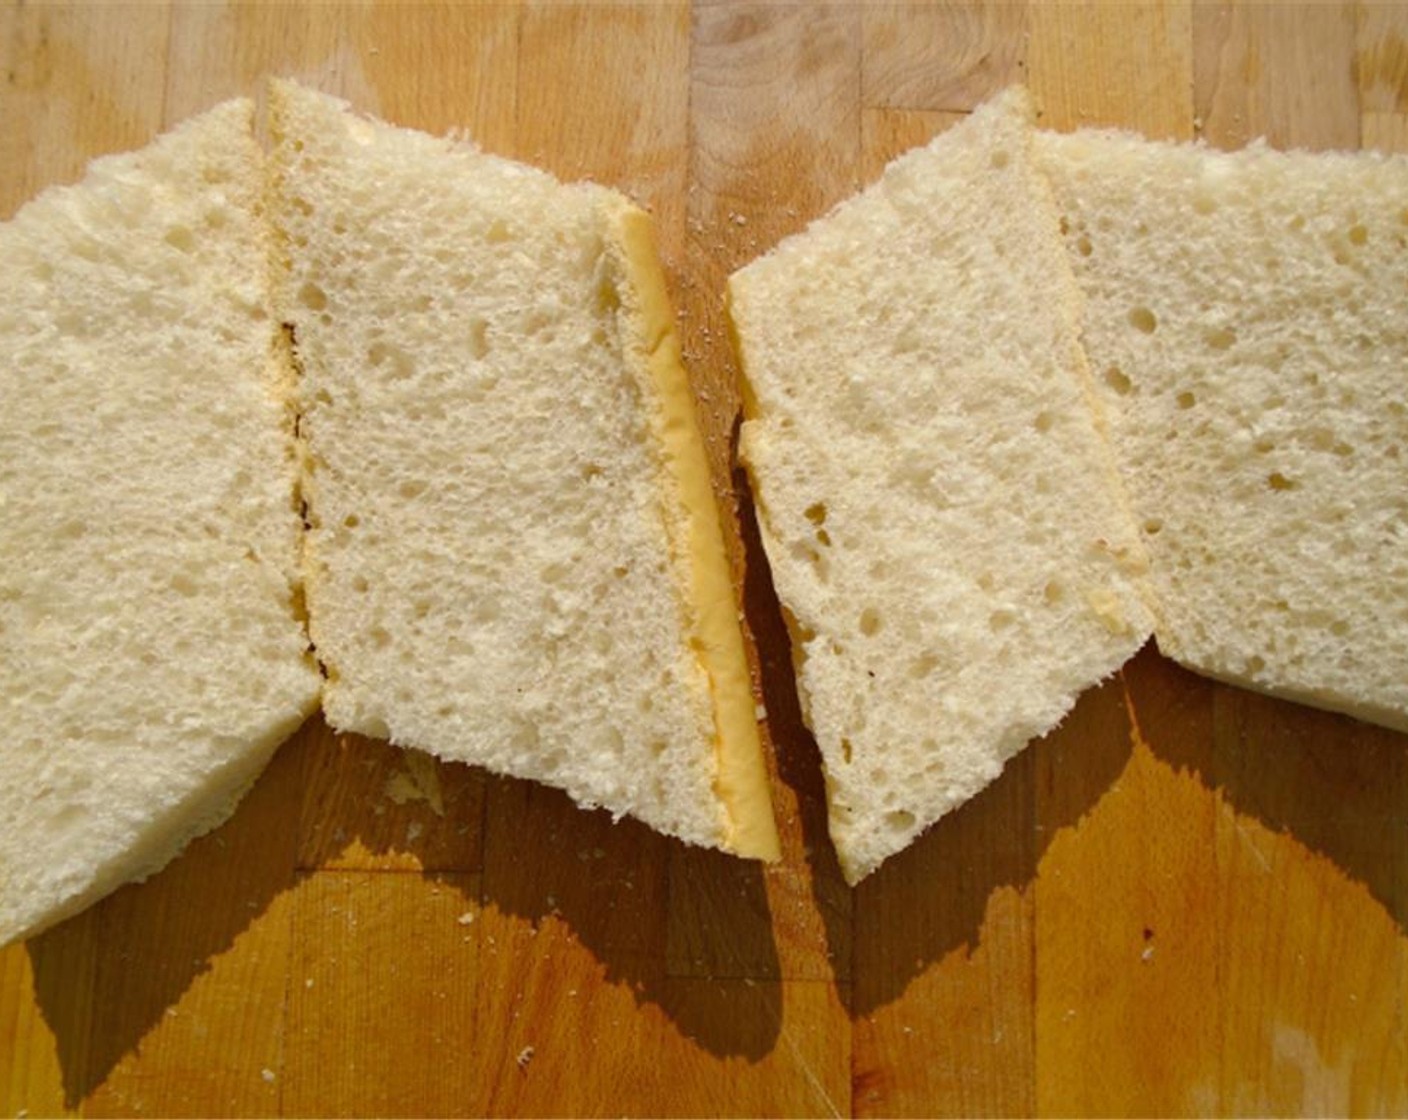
point(1186, 900)
point(354, 1044)
point(1126, 936)
point(1285, 72)
point(1109, 64)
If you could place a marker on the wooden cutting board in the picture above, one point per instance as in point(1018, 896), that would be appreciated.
point(1188, 899)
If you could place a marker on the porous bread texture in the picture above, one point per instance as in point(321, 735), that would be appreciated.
point(148, 533)
point(940, 512)
point(495, 569)
point(1245, 318)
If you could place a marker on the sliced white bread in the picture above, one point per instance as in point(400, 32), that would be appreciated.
point(1245, 318)
point(515, 559)
point(153, 655)
point(940, 513)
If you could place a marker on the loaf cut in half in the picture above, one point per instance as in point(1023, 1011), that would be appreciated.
point(154, 656)
point(1245, 317)
point(515, 558)
point(941, 515)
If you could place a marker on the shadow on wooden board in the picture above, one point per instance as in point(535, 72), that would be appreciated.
point(1337, 786)
point(107, 980)
point(596, 902)
point(151, 942)
point(796, 754)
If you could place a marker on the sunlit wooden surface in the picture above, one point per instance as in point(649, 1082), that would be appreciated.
point(1187, 900)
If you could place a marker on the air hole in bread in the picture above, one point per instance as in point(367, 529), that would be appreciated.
point(66, 816)
point(1054, 592)
point(312, 297)
point(608, 298)
point(1117, 380)
point(1322, 439)
point(421, 608)
point(1255, 664)
point(923, 665)
point(823, 538)
point(360, 584)
point(479, 338)
point(816, 513)
point(1000, 620)
point(1358, 235)
point(456, 646)
point(1083, 246)
point(1297, 223)
point(869, 622)
point(498, 231)
point(900, 820)
point(379, 636)
point(72, 530)
point(183, 584)
point(1186, 399)
point(1153, 526)
point(1000, 159)
point(1204, 204)
point(351, 521)
point(1277, 481)
point(1043, 421)
point(413, 488)
point(179, 237)
point(1143, 320)
point(985, 581)
point(813, 557)
point(1220, 339)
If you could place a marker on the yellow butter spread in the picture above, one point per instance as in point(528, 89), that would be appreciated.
point(741, 777)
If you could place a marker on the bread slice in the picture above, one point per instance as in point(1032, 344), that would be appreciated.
point(940, 512)
point(154, 657)
point(515, 558)
point(1245, 316)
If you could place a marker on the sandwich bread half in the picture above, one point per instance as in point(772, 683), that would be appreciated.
point(941, 514)
point(515, 559)
point(154, 656)
point(1245, 316)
